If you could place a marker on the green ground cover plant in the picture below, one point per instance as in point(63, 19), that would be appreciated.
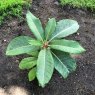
point(48, 50)
point(80, 3)
point(11, 8)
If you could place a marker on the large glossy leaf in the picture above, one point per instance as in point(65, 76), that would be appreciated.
point(35, 43)
point(35, 26)
point(32, 74)
point(45, 67)
point(65, 28)
point(50, 28)
point(64, 64)
point(27, 63)
point(67, 46)
point(20, 45)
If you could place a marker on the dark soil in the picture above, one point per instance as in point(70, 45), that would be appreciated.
point(81, 82)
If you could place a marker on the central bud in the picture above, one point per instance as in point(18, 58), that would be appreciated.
point(45, 45)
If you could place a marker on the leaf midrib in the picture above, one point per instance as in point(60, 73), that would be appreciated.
point(49, 32)
point(60, 61)
point(37, 31)
point(44, 65)
point(64, 46)
point(61, 32)
point(19, 48)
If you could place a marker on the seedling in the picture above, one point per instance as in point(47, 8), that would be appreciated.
point(48, 50)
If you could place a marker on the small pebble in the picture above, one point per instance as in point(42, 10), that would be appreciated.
point(56, 3)
point(61, 77)
point(5, 40)
point(17, 61)
point(78, 33)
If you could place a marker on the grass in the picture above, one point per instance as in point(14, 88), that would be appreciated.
point(79, 3)
point(11, 8)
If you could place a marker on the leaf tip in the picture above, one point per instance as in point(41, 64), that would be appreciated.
point(82, 50)
point(42, 85)
point(7, 52)
point(20, 67)
point(30, 79)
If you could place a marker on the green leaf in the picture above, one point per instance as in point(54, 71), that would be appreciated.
point(45, 67)
point(32, 74)
point(64, 64)
point(28, 63)
point(69, 46)
point(60, 67)
point(35, 43)
point(20, 45)
point(65, 28)
point(50, 28)
point(35, 26)
point(33, 53)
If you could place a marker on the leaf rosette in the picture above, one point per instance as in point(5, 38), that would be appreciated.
point(48, 50)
